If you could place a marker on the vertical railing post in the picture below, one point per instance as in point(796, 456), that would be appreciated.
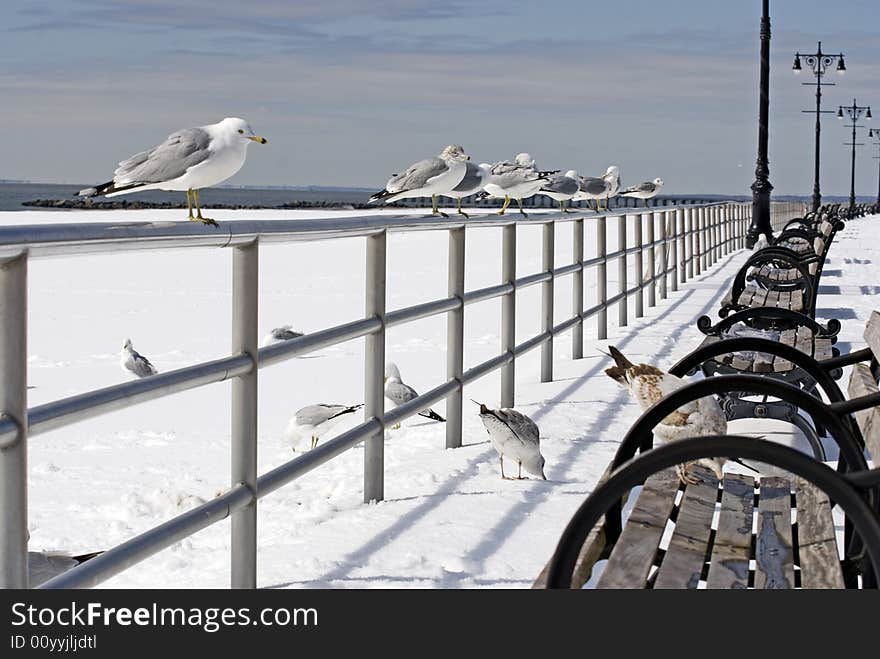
point(13, 399)
point(682, 245)
point(455, 336)
point(652, 261)
point(621, 271)
point(640, 274)
point(601, 279)
point(577, 290)
point(663, 255)
point(508, 313)
point(245, 340)
point(716, 237)
point(673, 254)
point(700, 257)
point(374, 369)
point(548, 245)
point(690, 242)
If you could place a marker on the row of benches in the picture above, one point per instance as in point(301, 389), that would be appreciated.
point(767, 357)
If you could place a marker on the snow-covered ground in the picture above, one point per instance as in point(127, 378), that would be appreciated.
point(449, 520)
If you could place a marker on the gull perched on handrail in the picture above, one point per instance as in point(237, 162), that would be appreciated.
point(427, 178)
point(474, 179)
point(648, 384)
point(598, 188)
point(279, 334)
point(518, 180)
point(644, 191)
point(399, 393)
point(189, 159)
point(561, 187)
point(516, 436)
point(134, 362)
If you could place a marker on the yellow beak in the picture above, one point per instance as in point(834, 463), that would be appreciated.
point(257, 138)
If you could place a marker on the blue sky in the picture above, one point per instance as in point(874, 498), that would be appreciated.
point(349, 91)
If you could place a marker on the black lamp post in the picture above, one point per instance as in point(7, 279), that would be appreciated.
point(761, 187)
point(875, 133)
point(854, 113)
point(819, 62)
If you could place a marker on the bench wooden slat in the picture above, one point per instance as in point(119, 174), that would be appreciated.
point(760, 298)
point(822, 348)
point(686, 554)
point(804, 341)
point(862, 383)
point(633, 554)
point(745, 298)
point(787, 337)
point(773, 554)
point(817, 544)
point(872, 335)
point(729, 567)
point(797, 301)
point(772, 299)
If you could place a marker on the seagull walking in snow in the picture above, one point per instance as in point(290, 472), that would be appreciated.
point(474, 179)
point(189, 159)
point(516, 436)
point(134, 362)
point(399, 393)
point(427, 178)
point(279, 334)
point(518, 180)
point(644, 191)
point(648, 384)
point(561, 187)
point(313, 421)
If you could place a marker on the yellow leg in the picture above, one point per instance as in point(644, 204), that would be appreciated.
point(522, 212)
point(434, 209)
point(504, 205)
point(206, 220)
point(189, 204)
point(461, 212)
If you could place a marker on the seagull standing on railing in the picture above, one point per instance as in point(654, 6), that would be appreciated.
point(279, 334)
point(644, 191)
point(648, 384)
point(427, 178)
point(516, 436)
point(399, 393)
point(518, 180)
point(189, 159)
point(598, 188)
point(561, 187)
point(313, 421)
point(474, 179)
point(134, 362)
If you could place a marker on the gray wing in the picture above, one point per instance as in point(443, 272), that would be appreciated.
point(647, 186)
point(595, 186)
point(561, 184)
point(521, 426)
point(313, 415)
point(399, 393)
point(506, 174)
point(141, 366)
point(417, 175)
point(472, 178)
point(285, 333)
point(170, 160)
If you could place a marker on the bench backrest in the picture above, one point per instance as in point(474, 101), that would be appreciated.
point(861, 383)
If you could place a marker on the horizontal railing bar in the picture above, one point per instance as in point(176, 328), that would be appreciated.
point(94, 237)
point(565, 324)
point(301, 345)
point(635, 249)
point(487, 293)
point(596, 260)
point(478, 371)
point(424, 310)
point(531, 280)
point(532, 343)
point(324, 452)
point(567, 270)
point(121, 557)
point(59, 413)
point(633, 290)
point(592, 311)
point(616, 298)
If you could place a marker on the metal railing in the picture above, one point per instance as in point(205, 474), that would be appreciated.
point(690, 239)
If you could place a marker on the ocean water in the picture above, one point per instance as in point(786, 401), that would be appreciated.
point(12, 195)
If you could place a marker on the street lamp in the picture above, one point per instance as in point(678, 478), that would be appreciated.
point(761, 187)
point(854, 113)
point(819, 63)
point(875, 133)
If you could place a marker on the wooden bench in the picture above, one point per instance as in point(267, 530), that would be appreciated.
point(774, 531)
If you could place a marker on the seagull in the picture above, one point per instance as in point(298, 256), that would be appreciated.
point(644, 191)
point(399, 393)
point(427, 178)
point(596, 188)
point(648, 384)
point(43, 566)
point(315, 420)
point(515, 180)
point(279, 334)
point(134, 362)
point(515, 435)
point(474, 179)
point(189, 159)
point(760, 243)
point(561, 187)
